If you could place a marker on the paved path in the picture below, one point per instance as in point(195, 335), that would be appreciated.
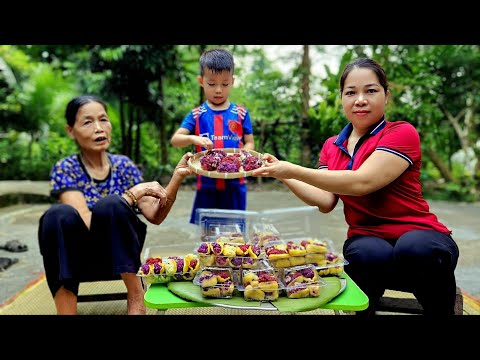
point(24, 187)
point(21, 222)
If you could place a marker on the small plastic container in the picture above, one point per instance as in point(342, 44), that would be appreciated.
point(333, 265)
point(264, 233)
point(277, 254)
point(293, 222)
point(233, 255)
point(223, 235)
point(313, 245)
point(215, 282)
point(157, 270)
point(234, 224)
point(299, 251)
point(301, 281)
point(164, 251)
point(260, 285)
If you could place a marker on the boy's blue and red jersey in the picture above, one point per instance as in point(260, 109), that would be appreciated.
point(226, 129)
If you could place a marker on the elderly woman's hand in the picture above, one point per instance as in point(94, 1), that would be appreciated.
point(182, 167)
point(153, 189)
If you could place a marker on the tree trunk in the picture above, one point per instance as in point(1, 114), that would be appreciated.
point(138, 129)
point(440, 164)
point(467, 134)
point(461, 133)
point(276, 150)
point(122, 126)
point(161, 125)
point(304, 121)
point(201, 93)
point(130, 120)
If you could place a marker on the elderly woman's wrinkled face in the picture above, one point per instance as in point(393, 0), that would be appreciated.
point(92, 128)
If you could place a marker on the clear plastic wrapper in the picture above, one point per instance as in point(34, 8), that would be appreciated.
point(215, 282)
point(158, 270)
point(260, 285)
point(179, 248)
point(224, 254)
point(333, 265)
point(291, 223)
point(232, 224)
point(264, 233)
point(301, 281)
point(261, 227)
point(297, 251)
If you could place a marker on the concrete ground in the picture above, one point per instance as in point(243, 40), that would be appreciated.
point(21, 222)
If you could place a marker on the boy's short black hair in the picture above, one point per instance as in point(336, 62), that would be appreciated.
point(216, 60)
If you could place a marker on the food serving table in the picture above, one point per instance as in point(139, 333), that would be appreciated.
point(352, 298)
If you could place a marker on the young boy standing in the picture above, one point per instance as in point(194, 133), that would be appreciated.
point(217, 123)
